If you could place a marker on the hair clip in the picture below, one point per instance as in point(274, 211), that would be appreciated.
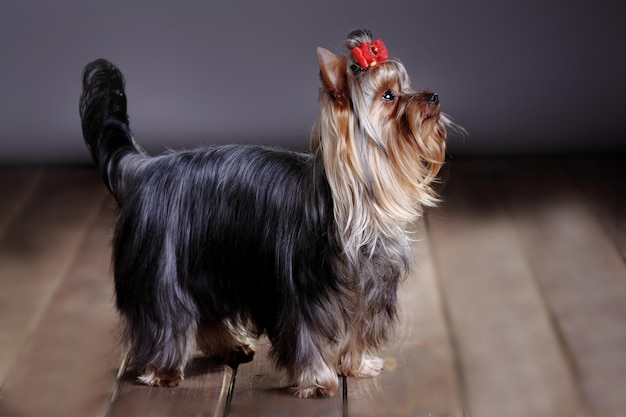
point(369, 54)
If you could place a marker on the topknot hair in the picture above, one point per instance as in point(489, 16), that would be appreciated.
point(357, 37)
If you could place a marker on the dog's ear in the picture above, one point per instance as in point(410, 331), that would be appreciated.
point(333, 74)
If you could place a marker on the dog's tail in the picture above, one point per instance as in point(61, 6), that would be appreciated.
point(105, 122)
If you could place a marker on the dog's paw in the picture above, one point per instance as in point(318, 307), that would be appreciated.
point(317, 383)
point(368, 367)
point(317, 389)
point(156, 378)
point(315, 392)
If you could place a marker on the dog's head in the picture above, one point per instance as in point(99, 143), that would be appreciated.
point(382, 142)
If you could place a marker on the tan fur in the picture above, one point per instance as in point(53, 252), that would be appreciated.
point(391, 152)
point(381, 158)
point(227, 341)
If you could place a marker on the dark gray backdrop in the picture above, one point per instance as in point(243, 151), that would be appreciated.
point(520, 75)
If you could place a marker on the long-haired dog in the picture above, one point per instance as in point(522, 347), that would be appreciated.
point(217, 246)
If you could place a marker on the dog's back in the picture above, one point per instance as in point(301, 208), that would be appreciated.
point(218, 206)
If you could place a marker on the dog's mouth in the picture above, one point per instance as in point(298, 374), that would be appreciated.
point(433, 111)
point(434, 115)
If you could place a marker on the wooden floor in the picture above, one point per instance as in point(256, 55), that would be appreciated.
point(516, 307)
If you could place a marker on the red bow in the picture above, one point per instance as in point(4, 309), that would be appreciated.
point(369, 54)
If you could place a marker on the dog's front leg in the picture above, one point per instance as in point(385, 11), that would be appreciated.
point(357, 357)
point(305, 354)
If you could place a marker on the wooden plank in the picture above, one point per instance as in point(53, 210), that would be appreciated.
point(16, 187)
point(602, 183)
point(583, 276)
point(420, 373)
point(37, 248)
point(198, 394)
point(511, 360)
point(262, 390)
point(69, 365)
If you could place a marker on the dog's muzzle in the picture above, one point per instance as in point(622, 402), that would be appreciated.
point(432, 98)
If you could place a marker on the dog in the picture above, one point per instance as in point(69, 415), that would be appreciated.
point(217, 246)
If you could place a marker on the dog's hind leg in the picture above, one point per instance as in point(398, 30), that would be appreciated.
point(226, 341)
point(159, 315)
point(159, 350)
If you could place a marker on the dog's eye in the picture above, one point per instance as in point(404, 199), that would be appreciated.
point(388, 95)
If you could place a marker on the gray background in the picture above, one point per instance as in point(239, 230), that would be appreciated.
point(522, 76)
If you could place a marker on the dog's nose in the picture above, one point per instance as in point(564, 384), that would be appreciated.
point(432, 98)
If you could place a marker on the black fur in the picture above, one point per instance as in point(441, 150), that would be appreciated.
point(104, 119)
point(225, 232)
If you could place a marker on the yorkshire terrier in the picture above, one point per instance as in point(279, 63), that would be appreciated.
point(224, 244)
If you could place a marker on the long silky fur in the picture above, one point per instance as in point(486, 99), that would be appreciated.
point(307, 248)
